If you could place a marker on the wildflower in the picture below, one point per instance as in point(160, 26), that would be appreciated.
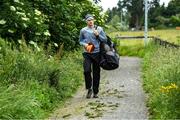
point(18, 8)
point(10, 31)
point(70, 5)
point(29, 14)
point(25, 18)
point(38, 23)
point(20, 13)
point(12, 8)
point(35, 45)
point(166, 89)
point(174, 85)
point(21, 3)
point(36, 18)
point(20, 41)
point(32, 42)
point(24, 24)
point(2, 22)
point(55, 44)
point(46, 33)
point(37, 33)
point(17, 1)
point(37, 12)
point(38, 49)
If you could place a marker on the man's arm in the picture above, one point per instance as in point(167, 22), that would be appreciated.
point(100, 34)
point(82, 39)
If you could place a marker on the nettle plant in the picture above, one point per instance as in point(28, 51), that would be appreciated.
point(19, 18)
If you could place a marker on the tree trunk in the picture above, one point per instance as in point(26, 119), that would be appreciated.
point(137, 24)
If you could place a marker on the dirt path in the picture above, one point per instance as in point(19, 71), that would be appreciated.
point(121, 97)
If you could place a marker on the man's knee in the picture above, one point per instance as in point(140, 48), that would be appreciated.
point(87, 72)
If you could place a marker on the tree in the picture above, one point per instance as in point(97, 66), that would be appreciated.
point(154, 13)
point(135, 9)
point(173, 8)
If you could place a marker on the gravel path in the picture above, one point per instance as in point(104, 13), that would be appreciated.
point(121, 97)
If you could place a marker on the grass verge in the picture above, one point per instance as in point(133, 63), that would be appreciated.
point(32, 84)
point(161, 75)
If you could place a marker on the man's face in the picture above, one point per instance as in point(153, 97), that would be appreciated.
point(90, 23)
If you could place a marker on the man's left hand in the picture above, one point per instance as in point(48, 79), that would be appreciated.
point(96, 33)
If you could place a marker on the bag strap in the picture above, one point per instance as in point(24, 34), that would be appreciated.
point(95, 26)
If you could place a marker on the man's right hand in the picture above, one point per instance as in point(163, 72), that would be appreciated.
point(89, 48)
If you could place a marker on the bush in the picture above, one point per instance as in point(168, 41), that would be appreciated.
point(39, 21)
point(175, 20)
point(161, 73)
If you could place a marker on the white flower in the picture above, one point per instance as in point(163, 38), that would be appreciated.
point(35, 45)
point(70, 5)
point(38, 23)
point(32, 42)
point(12, 8)
point(20, 41)
point(17, 1)
point(37, 33)
point(11, 31)
point(37, 12)
point(2, 22)
point(15, 24)
point(38, 49)
point(20, 13)
point(46, 33)
point(18, 8)
point(55, 44)
point(36, 18)
point(24, 24)
point(29, 14)
point(21, 3)
point(25, 19)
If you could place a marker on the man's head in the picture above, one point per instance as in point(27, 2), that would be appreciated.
point(90, 20)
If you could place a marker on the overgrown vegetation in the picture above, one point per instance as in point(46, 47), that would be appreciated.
point(35, 76)
point(161, 75)
point(46, 21)
point(33, 83)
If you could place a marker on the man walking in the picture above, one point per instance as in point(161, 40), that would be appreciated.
point(88, 39)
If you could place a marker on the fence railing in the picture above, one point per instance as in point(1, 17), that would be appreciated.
point(157, 40)
point(131, 37)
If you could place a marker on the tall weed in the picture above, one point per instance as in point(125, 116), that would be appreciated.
point(32, 83)
point(161, 74)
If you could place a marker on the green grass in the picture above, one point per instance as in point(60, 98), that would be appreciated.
point(32, 83)
point(161, 75)
point(170, 35)
point(130, 47)
point(136, 47)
